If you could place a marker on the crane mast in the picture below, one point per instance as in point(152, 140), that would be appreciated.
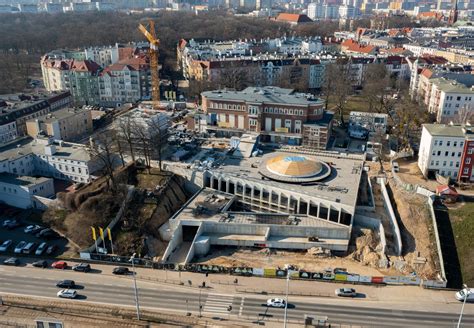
point(150, 34)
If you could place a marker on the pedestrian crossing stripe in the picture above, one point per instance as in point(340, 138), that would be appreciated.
point(218, 303)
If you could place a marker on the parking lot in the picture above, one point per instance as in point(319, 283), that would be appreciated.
point(17, 234)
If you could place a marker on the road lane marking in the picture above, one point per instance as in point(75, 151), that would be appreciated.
point(241, 305)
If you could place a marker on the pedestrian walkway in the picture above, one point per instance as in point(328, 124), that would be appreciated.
point(218, 303)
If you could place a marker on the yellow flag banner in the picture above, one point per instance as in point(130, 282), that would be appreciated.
point(101, 233)
point(94, 236)
point(109, 233)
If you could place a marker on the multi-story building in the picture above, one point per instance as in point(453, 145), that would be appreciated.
point(276, 114)
point(67, 124)
point(263, 62)
point(441, 149)
point(23, 191)
point(106, 76)
point(45, 157)
point(127, 80)
point(373, 122)
point(16, 109)
point(450, 101)
point(466, 171)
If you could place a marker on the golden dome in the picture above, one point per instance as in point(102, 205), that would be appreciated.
point(295, 166)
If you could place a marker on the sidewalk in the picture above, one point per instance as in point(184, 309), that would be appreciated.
point(393, 296)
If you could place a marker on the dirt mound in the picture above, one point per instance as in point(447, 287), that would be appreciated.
point(367, 245)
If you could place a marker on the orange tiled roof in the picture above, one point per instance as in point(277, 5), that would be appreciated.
point(293, 18)
point(353, 46)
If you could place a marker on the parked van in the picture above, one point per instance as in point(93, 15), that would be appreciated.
point(462, 294)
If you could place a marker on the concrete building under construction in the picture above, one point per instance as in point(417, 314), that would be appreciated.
point(278, 200)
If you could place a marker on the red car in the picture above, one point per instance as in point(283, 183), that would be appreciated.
point(59, 265)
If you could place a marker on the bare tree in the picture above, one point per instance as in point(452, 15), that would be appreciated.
point(102, 150)
point(124, 130)
point(337, 86)
point(234, 78)
point(465, 114)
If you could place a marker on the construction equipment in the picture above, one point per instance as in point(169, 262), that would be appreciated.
point(150, 34)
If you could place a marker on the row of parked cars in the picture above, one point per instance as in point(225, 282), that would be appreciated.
point(24, 247)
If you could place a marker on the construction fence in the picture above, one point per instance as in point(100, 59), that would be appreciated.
point(328, 276)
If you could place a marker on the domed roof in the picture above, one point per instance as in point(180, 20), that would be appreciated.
point(293, 166)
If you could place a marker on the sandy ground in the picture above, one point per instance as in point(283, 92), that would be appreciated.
point(247, 257)
point(415, 229)
point(410, 173)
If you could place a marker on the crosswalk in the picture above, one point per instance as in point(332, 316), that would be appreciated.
point(218, 303)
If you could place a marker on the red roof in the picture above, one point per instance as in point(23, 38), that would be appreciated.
point(133, 64)
point(426, 72)
point(85, 66)
point(182, 43)
point(293, 18)
point(354, 46)
point(446, 190)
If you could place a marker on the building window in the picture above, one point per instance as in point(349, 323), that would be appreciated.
point(436, 143)
point(457, 164)
point(446, 153)
point(441, 142)
point(437, 163)
point(459, 154)
point(455, 143)
point(465, 171)
point(439, 152)
point(470, 151)
point(451, 163)
point(444, 163)
point(448, 143)
point(468, 160)
point(432, 163)
point(453, 153)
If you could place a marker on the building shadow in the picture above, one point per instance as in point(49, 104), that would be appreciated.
point(452, 265)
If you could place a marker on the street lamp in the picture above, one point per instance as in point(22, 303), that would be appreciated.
point(286, 300)
point(135, 286)
point(466, 294)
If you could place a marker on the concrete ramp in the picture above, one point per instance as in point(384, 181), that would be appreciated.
point(179, 255)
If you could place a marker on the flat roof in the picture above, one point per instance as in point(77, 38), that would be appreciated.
point(28, 146)
point(21, 180)
point(340, 186)
point(211, 205)
point(267, 95)
point(452, 86)
point(60, 114)
point(445, 130)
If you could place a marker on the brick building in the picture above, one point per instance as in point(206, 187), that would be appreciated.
point(276, 114)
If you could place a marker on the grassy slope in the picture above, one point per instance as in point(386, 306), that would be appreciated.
point(463, 228)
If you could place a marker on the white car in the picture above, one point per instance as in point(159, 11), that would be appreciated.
point(19, 247)
point(346, 292)
point(276, 302)
point(41, 248)
point(5, 245)
point(67, 293)
point(31, 228)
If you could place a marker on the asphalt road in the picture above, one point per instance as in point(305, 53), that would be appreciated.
point(118, 290)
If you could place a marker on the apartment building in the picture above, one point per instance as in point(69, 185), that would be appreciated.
point(263, 62)
point(105, 76)
point(127, 80)
point(276, 114)
point(442, 149)
point(450, 100)
point(48, 158)
point(67, 124)
point(466, 171)
point(16, 109)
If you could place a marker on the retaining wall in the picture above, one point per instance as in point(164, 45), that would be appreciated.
point(438, 242)
point(391, 214)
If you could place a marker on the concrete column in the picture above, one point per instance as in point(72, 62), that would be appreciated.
point(298, 205)
point(212, 182)
point(329, 212)
point(339, 216)
point(289, 203)
point(279, 199)
point(261, 194)
point(307, 207)
point(319, 208)
point(252, 193)
point(243, 190)
point(219, 183)
point(227, 183)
